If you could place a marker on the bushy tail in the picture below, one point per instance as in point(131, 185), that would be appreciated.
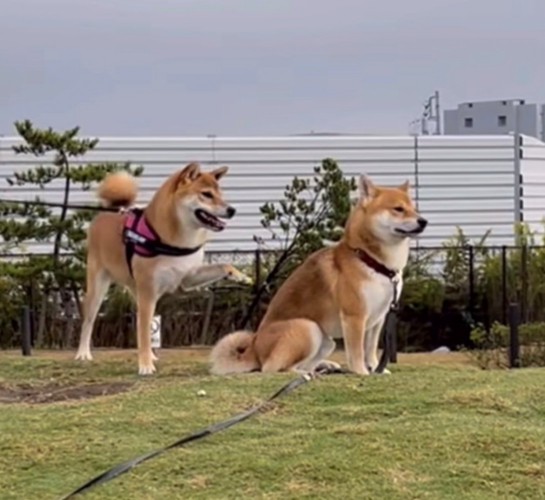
point(234, 353)
point(118, 189)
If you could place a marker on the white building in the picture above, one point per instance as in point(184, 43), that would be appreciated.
point(496, 118)
point(477, 183)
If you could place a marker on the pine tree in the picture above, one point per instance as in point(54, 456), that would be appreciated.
point(64, 228)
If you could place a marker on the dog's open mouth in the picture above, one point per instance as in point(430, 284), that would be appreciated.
point(412, 232)
point(209, 220)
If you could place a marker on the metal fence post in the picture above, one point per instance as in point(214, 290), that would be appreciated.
point(257, 265)
point(207, 317)
point(514, 344)
point(26, 341)
point(391, 331)
point(504, 283)
point(471, 280)
point(524, 283)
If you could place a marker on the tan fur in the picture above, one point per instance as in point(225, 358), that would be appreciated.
point(234, 345)
point(118, 189)
point(332, 292)
point(171, 213)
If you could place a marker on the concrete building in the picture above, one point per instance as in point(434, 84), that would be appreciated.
point(495, 118)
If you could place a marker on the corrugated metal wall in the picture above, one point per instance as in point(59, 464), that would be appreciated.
point(532, 169)
point(465, 181)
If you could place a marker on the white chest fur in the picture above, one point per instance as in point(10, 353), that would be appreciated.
point(171, 270)
point(378, 293)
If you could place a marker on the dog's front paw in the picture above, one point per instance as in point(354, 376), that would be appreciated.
point(360, 370)
point(146, 366)
point(235, 275)
point(84, 356)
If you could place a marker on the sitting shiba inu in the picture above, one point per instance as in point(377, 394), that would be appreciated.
point(345, 288)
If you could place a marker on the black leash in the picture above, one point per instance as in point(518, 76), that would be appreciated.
point(387, 329)
point(40, 203)
point(207, 431)
point(386, 345)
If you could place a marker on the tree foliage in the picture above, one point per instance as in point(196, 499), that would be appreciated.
point(312, 214)
point(61, 169)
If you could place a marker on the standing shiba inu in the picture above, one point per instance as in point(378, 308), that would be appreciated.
point(155, 250)
point(345, 288)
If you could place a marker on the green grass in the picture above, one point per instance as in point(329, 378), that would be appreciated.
point(431, 430)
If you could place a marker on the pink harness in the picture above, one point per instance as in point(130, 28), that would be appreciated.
point(141, 231)
point(141, 239)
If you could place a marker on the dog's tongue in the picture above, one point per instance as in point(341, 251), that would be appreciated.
point(212, 220)
point(219, 223)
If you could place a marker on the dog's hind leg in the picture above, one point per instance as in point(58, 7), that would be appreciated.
point(299, 346)
point(98, 283)
point(326, 349)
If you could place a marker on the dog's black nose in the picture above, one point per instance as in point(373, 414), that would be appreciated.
point(231, 211)
point(422, 222)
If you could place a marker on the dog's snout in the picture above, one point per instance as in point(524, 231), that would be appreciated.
point(231, 211)
point(422, 222)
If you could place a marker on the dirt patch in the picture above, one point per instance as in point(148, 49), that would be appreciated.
point(52, 393)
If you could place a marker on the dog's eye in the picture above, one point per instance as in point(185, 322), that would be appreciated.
point(207, 194)
point(399, 210)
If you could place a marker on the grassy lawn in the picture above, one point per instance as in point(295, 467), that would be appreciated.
point(437, 428)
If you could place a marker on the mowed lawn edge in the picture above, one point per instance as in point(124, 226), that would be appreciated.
point(436, 428)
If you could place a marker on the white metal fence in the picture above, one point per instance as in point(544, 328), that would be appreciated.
point(466, 181)
point(532, 183)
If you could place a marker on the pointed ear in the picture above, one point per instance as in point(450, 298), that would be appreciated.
point(405, 186)
point(367, 189)
point(219, 172)
point(188, 174)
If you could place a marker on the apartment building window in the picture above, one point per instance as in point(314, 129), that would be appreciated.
point(502, 121)
point(468, 123)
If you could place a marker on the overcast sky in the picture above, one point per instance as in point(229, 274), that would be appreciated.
point(257, 67)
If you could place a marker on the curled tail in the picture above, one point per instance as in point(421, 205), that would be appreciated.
point(234, 353)
point(118, 190)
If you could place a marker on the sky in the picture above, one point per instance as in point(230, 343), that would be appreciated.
point(256, 67)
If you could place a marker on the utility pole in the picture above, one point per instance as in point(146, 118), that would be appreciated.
point(431, 112)
point(437, 114)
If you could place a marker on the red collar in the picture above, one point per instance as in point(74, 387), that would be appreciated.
point(374, 263)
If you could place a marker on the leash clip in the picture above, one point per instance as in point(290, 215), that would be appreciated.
point(394, 305)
